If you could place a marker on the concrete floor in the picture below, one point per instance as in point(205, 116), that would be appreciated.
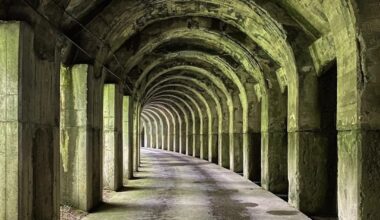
point(173, 186)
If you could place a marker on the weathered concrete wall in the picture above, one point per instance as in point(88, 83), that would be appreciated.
point(80, 139)
point(29, 127)
point(112, 136)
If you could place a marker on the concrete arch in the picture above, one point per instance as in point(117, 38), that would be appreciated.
point(199, 71)
point(144, 126)
point(217, 123)
point(166, 126)
point(207, 38)
point(176, 120)
point(197, 136)
point(170, 121)
point(168, 100)
point(162, 127)
point(191, 142)
point(207, 131)
point(159, 126)
point(150, 132)
point(228, 133)
point(239, 120)
point(247, 17)
point(154, 141)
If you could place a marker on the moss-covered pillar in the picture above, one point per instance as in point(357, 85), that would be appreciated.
point(213, 140)
point(274, 142)
point(127, 139)
point(147, 133)
point(29, 127)
point(312, 148)
point(137, 140)
point(195, 150)
point(178, 128)
point(236, 138)
point(155, 132)
point(252, 152)
point(80, 130)
point(112, 137)
point(205, 137)
point(223, 150)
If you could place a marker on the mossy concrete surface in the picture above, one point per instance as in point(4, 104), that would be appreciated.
point(29, 131)
point(112, 137)
point(80, 139)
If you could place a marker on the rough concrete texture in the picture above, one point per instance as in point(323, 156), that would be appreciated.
point(250, 63)
point(80, 136)
point(174, 186)
point(76, 188)
point(29, 142)
point(112, 138)
point(127, 139)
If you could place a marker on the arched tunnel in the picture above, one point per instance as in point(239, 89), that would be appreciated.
point(189, 109)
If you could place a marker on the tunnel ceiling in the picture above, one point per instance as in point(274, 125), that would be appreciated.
point(213, 55)
point(203, 52)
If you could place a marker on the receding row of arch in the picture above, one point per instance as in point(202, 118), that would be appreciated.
point(241, 85)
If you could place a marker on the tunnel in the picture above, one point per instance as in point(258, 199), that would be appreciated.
point(189, 109)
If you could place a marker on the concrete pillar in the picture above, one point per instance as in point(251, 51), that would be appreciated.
point(112, 137)
point(80, 141)
point(29, 127)
point(138, 145)
point(213, 148)
point(312, 150)
point(205, 146)
point(274, 171)
point(184, 138)
point(223, 151)
point(252, 152)
point(127, 139)
point(195, 150)
point(196, 145)
point(236, 137)
point(189, 149)
point(136, 138)
point(236, 157)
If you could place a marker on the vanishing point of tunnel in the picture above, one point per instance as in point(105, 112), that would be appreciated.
point(189, 109)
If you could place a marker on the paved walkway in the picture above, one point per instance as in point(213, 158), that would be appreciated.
point(173, 186)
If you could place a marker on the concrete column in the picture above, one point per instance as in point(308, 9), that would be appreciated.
point(29, 127)
point(236, 158)
point(112, 140)
point(252, 152)
point(213, 148)
point(136, 137)
point(139, 144)
point(274, 143)
point(184, 141)
point(223, 151)
point(127, 139)
point(205, 146)
point(195, 150)
point(312, 150)
point(80, 130)
point(236, 137)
